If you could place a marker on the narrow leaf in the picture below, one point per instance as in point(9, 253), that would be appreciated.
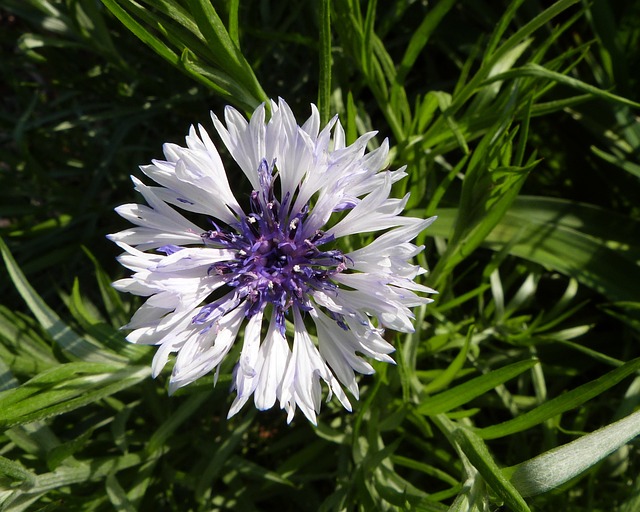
point(140, 32)
point(557, 466)
point(603, 244)
point(478, 454)
point(445, 378)
point(38, 399)
point(324, 81)
point(463, 393)
point(16, 471)
point(61, 333)
point(535, 70)
point(565, 402)
point(222, 454)
point(177, 418)
point(421, 36)
point(117, 495)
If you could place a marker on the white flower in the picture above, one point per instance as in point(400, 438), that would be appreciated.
point(274, 264)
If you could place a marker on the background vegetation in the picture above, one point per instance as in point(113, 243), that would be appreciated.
point(518, 123)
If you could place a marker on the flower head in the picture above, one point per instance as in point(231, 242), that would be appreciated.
point(276, 266)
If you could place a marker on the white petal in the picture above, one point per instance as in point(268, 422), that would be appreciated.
point(248, 365)
point(205, 351)
point(375, 212)
point(274, 353)
point(245, 140)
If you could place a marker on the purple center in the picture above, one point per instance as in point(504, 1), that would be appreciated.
point(274, 262)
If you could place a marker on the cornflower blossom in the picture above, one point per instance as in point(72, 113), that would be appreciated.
point(275, 266)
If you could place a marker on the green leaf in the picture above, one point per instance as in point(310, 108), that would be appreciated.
point(427, 469)
point(565, 402)
point(233, 7)
point(217, 80)
point(140, 32)
point(65, 388)
point(22, 345)
point(619, 161)
point(324, 78)
point(555, 467)
point(69, 341)
point(257, 472)
point(517, 38)
point(367, 56)
point(216, 35)
point(535, 70)
point(603, 245)
point(421, 36)
point(203, 47)
point(63, 451)
point(64, 476)
point(444, 102)
point(227, 53)
point(502, 26)
point(103, 333)
point(463, 393)
point(111, 298)
point(478, 454)
point(222, 455)
point(490, 186)
point(16, 471)
point(7, 380)
point(117, 495)
point(450, 373)
point(192, 405)
point(90, 20)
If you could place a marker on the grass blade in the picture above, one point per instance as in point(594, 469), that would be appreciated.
point(557, 466)
point(463, 393)
point(565, 402)
point(603, 244)
point(324, 79)
point(535, 70)
point(61, 333)
point(478, 454)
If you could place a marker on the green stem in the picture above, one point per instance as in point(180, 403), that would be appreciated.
point(324, 86)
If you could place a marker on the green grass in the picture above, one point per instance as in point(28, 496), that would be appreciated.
point(518, 122)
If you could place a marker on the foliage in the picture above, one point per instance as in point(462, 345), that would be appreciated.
point(518, 124)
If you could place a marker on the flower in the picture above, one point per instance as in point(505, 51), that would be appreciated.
point(279, 266)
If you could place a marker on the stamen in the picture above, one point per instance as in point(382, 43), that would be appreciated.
point(293, 227)
point(271, 265)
